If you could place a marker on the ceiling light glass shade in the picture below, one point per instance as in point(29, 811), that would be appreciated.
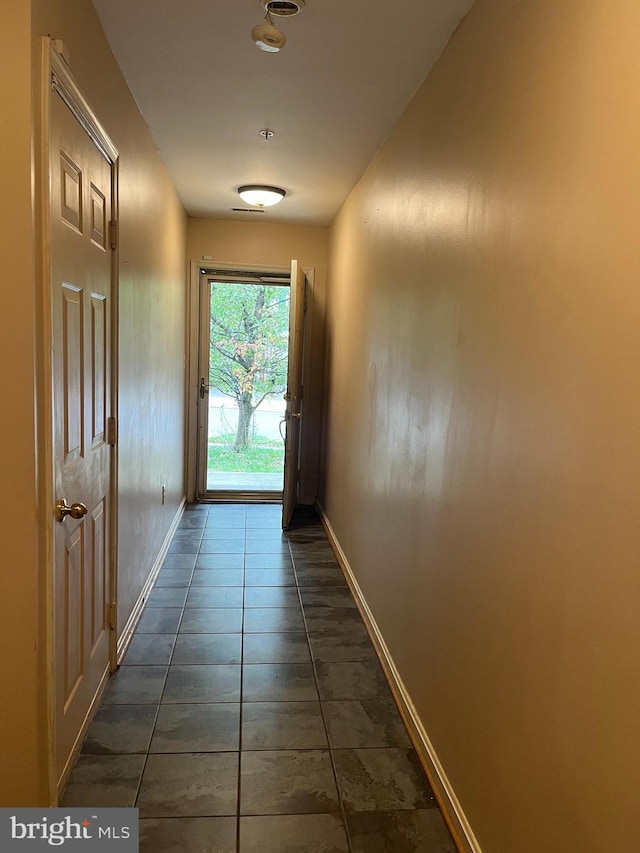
point(268, 37)
point(261, 196)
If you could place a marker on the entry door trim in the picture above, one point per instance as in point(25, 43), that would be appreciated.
point(57, 81)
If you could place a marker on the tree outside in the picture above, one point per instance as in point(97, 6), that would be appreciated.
point(248, 348)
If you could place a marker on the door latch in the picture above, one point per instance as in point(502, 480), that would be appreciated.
point(204, 388)
point(76, 510)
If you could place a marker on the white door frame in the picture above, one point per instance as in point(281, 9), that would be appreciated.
point(193, 325)
point(57, 81)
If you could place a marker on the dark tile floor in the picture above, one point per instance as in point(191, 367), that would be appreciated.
point(250, 714)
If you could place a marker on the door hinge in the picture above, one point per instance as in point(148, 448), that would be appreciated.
point(113, 234)
point(113, 616)
point(112, 431)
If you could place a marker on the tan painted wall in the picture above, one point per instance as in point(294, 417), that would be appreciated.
point(483, 455)
point(152, 301)
point(153, 231)
point(272, 244)
point(22, 723)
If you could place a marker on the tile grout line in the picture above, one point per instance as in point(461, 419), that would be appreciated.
point(343, 813)
point(240, 720)
point(239, 751)
point(164, 685)
point(157, 714)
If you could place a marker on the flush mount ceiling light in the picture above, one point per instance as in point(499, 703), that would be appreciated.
point(261, 195)
point(267, 37)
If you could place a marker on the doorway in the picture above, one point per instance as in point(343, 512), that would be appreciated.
point(243, 359)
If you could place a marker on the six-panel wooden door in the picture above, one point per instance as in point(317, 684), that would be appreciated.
point(81, 259)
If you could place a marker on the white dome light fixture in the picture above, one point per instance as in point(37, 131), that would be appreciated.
point(261, 195)
point(268, 37)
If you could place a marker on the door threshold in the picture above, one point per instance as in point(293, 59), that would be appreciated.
point(240, 497)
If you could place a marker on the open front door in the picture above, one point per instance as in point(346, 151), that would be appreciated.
point(293, 396)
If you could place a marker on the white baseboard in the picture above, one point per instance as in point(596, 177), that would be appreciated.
point(127, 632)
point(447, 799)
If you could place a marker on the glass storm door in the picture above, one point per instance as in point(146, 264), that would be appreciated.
point(244, 335)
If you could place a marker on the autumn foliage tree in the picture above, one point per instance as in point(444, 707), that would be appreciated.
point(248, 349)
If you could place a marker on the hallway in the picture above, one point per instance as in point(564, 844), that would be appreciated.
point(251, 713)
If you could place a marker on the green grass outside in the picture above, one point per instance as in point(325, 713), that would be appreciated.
point(265, 456)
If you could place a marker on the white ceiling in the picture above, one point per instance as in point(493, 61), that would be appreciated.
point(330, 96)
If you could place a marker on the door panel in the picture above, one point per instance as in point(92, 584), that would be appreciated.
point(70, 192)
point(99, 360)
point(81, 271)
point(293, 396)
point(72, 628)
point(99, 578)
point(98, 225)
point(73, 388)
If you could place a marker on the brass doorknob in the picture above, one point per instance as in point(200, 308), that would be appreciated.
point(63, 509)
